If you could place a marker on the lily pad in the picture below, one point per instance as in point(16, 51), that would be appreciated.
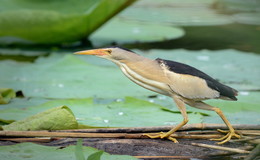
point(244, 111)
point(48, 22)
point(122, 32)
point(60, 76)
point(30, 151)
point(233, 6)
point(69, 76)
point(130, 112)
point(248, 18)
point(22, 103)
point(53, 119)
point(180, 13)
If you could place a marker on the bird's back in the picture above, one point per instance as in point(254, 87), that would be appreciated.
point(225, 91)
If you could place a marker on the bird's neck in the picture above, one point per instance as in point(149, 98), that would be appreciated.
point(146, 67)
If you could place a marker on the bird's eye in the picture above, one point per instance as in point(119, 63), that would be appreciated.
point(109, 51)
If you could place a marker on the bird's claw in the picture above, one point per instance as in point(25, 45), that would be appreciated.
point(227, 137)
point(162, 135)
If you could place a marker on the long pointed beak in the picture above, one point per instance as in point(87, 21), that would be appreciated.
point(96, 52)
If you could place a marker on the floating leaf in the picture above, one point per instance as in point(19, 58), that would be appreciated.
point(68, 76)
point(6, 94)
point(180, 13)
point(53, 119)
point(30, 151)
point(121, 32)
point(130, 112)
point(96, 156)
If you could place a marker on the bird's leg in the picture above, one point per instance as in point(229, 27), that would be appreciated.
point(181, 105)
point(231, 133)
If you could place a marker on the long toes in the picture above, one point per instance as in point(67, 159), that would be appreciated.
point(173, 139)
point(155, 135)
point(222, 131)
point(220, 139)
point(226, 140)
point(237, 136)
point(227, 137)
point(162, 135)
point(152, 136)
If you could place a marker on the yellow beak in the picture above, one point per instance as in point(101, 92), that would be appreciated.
point(96, 52)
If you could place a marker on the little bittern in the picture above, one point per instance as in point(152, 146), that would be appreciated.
point(185, 84)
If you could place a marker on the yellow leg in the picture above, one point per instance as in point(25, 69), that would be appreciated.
point(181, 105)
point(231, 133)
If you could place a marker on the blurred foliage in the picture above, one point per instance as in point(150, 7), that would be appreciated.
point(52, 22)
point(35, 151)
point(194, 13)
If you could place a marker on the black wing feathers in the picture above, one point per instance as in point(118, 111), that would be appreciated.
point(211, 82)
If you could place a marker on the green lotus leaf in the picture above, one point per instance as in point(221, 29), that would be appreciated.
point(53, 119)
point(121, 32)
point(128, 112)
point(6, 94)
point(31, 151)
point(50, 22)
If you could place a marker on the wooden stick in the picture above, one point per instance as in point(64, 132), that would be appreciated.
point(96, 135)
point(191, 134)
point(196, 126)
point(250, 132)
point(42, 140)
point(61, 134)
point(220, 148)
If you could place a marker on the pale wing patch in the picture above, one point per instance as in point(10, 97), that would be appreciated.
point(189, 86)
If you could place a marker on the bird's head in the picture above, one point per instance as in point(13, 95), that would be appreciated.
point(112, 53)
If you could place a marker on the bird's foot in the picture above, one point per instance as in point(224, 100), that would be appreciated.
point(162, 135)
point(227, 137)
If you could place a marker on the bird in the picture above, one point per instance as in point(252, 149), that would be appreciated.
point(185, 84)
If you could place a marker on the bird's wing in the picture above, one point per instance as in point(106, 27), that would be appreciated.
point(192, 83)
